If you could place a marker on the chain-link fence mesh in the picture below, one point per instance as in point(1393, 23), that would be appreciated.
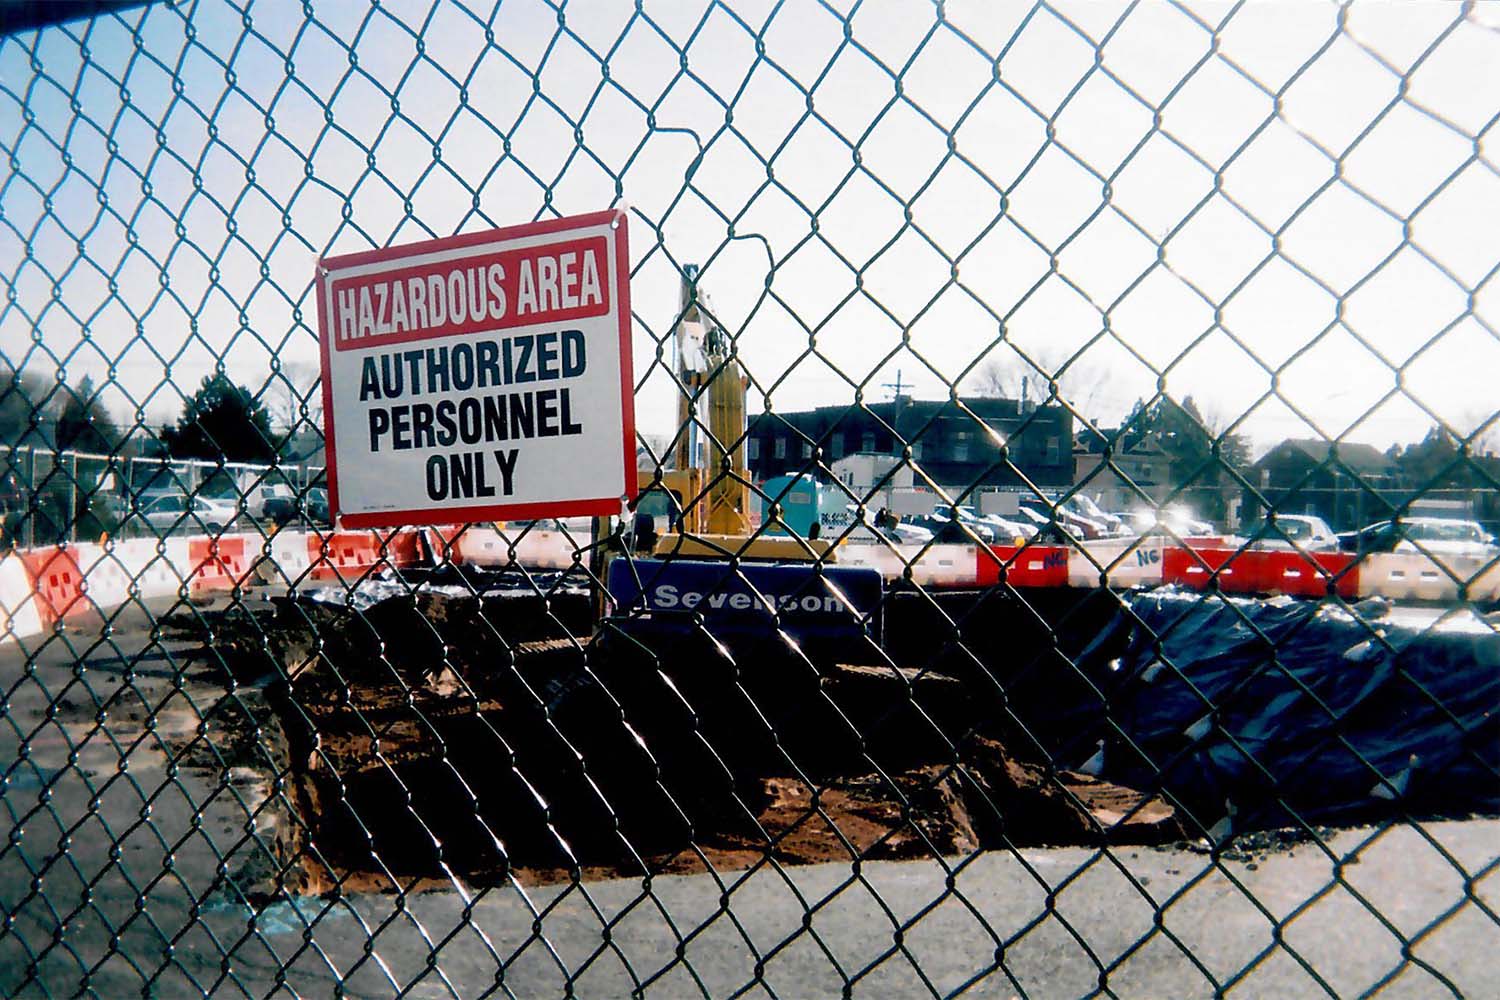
point(1100, 399)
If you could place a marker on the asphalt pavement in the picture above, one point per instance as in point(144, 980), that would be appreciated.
point(126, 840)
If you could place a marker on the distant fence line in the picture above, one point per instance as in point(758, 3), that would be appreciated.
point(49, 495)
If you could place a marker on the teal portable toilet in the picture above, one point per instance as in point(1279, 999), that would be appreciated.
point(798, 497)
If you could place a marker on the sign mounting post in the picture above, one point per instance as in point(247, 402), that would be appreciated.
point(480, 377)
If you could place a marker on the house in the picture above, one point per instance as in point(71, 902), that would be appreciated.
point(1114, 470)
point(1347, 484)
point(956, 443)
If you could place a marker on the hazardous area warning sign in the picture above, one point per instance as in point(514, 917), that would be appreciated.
point(480, 377)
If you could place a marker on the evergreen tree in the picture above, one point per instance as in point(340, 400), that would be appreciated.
point(1433, 462)
point(222, 419)
point(23, 406)
point(84, 424)
point(1199, 456)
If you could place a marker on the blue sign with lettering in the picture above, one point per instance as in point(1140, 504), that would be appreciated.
point(808, 601)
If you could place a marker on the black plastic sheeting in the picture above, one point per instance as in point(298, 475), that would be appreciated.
point(1253, 714)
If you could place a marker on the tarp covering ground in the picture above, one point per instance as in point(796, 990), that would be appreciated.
point(1251, 712)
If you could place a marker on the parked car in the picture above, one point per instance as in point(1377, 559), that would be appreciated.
point(280, 509)
point(1009, 530)
point(1145, 521)
point(1302, 532)
point(1379, 537)
point(897, 532)
point(1086, 507)
point(112, 506)
point(1446, 536)
point(259, 496)
point(909, 534)
point(169, 511)
point(315, 503)
point(311, 505)
point(1432, 535)
point(1436, 535)
point(1040, 525)
point(227, 501)
point(1072, 526)
point(947, 531)
point(958, 525)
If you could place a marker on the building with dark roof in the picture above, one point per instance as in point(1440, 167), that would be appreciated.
point(1343, 484)
point(957, 443)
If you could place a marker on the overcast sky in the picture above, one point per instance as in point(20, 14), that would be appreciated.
point(1224, 200)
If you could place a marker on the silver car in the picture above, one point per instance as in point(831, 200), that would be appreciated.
point(1445, 536)
point(1303, 532)
point(174, 510)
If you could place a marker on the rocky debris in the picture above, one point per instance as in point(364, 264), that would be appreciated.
point(1257, 846)
point(1018, 804)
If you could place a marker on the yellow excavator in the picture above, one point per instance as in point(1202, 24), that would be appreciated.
point(681, 579)
point(705, 499)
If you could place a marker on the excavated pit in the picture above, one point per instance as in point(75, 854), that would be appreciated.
point(463, 725)
point(473, 731)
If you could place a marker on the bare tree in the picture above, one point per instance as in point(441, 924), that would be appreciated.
point(1485, 428)
point(296, 398)
point(1081, 385)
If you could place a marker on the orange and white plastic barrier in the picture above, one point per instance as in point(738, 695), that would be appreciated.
point(342, 556)
point(43, 586)
point(107, 578)
point(1116, 562)
point(20, 611)
point(56, 581)
point(1407, 576)
point(290, 558)
point(934, 566)
point(218, 563)
point(1024, 566)
point(1202, 564)
point(534, 547)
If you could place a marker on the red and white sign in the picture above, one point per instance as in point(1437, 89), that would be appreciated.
point(480, 377)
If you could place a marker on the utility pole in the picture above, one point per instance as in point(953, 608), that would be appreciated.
point(896, 386)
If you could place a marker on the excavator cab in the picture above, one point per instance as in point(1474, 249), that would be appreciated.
point(663, 506)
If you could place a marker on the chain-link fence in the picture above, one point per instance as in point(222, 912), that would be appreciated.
point(1065, 561)
point(54, 497)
